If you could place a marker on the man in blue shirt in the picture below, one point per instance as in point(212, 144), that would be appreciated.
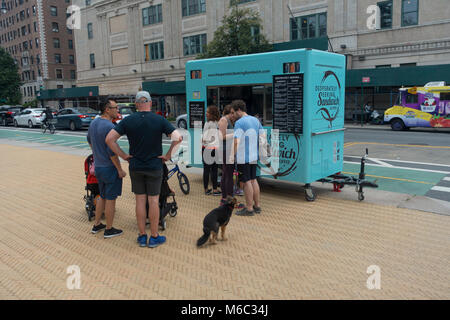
point(246, 135)
point(108, 170)
point(144, 130)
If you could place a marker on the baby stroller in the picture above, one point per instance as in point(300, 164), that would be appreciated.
point(165, 207)
point(92, 190)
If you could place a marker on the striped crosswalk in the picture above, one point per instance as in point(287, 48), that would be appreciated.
point(441, 190)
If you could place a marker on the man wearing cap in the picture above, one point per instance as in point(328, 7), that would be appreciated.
point(144, 131)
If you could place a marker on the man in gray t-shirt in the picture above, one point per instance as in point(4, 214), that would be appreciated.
point(108, 170)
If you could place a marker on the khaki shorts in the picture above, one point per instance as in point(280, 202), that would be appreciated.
point(146, 182)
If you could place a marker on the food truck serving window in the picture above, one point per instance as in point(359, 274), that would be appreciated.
point(257, 97)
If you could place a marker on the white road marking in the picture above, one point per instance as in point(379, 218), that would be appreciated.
point(443, 189)
point(446, 178)
point(404, 168)
point(403, 161)
point(67, 143)
point(384, 164)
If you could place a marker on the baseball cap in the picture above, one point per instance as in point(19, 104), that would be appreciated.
point(143, 94)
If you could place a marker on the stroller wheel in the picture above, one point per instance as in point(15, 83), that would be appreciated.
point(91, 215)
point(173, 212)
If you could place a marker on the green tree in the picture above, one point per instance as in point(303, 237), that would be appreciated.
point(239, 34)
point(9, 79)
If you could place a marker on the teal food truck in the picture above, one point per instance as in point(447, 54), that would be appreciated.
point(300, 93)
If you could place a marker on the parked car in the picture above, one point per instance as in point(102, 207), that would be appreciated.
point(181, 121)
point(75, 119)
point(29, 117)
point(7, 114)
point(125, 109)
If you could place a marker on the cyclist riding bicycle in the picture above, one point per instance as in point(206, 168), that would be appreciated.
point(48, 116)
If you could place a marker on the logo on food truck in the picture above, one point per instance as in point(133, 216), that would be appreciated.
point(429, 104)
point(286, 152)
point(328, 97)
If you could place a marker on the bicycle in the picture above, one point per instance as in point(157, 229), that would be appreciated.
point(48, 125)
point(182, 179)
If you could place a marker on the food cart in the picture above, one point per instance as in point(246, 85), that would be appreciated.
point(299, 97)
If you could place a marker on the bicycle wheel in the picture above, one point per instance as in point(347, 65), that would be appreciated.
point(52, 128)
point(44, 128)
point(184, 183)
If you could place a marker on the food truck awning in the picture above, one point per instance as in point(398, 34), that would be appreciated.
point(162, 88)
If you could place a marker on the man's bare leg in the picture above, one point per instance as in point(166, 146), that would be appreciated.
point(99, 209)
point(153, 214)
point(248, 192)
point(141, 210)
point(256, 192)
point(109, 212)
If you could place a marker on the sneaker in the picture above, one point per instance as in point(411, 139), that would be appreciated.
point(208, 192)
point(154, 242)
point(239, 192)
point(257, 209)
point(217, 193)
point(245, 212)
point(96, 229)
point(240, 206)
point(142, 240)
point(113, 232)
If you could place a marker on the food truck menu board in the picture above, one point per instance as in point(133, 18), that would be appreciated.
point(288, 103)
point(196, 112)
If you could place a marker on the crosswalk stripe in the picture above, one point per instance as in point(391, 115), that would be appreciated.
point(443, 189)
point(446, 179)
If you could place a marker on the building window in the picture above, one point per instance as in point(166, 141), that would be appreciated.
point(73, 74)
point(53, 11)
point(70, 44)
point(309, 27)
point(194, 44)
point(55, 27)
point(90, 32)
point(56, 43)
point(243, 1)
point(57, 58)
point(92, 60)
point(412, 64)
point(410, 12)
point(385, 14)
point(59, 74)
point(190, 7)
point(88, 2)
point(152, 15)
point(154, 51)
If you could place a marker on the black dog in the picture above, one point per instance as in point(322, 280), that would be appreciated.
point(218, 217)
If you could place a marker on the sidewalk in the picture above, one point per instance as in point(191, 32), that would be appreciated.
point(293, 250)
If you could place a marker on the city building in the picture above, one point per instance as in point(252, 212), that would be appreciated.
point(34, 32)
point(127, 45)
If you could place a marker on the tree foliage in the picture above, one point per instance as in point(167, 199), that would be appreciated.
point(240, 33)
point(9, 79)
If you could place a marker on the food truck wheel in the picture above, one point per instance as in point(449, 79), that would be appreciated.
point(397, 125)
point(309, 194)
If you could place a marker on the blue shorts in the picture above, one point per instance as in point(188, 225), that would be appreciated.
point(109, 183)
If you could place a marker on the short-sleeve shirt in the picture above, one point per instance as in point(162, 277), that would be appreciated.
point(98, 130)
point(144, 131)
point(246, 129)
